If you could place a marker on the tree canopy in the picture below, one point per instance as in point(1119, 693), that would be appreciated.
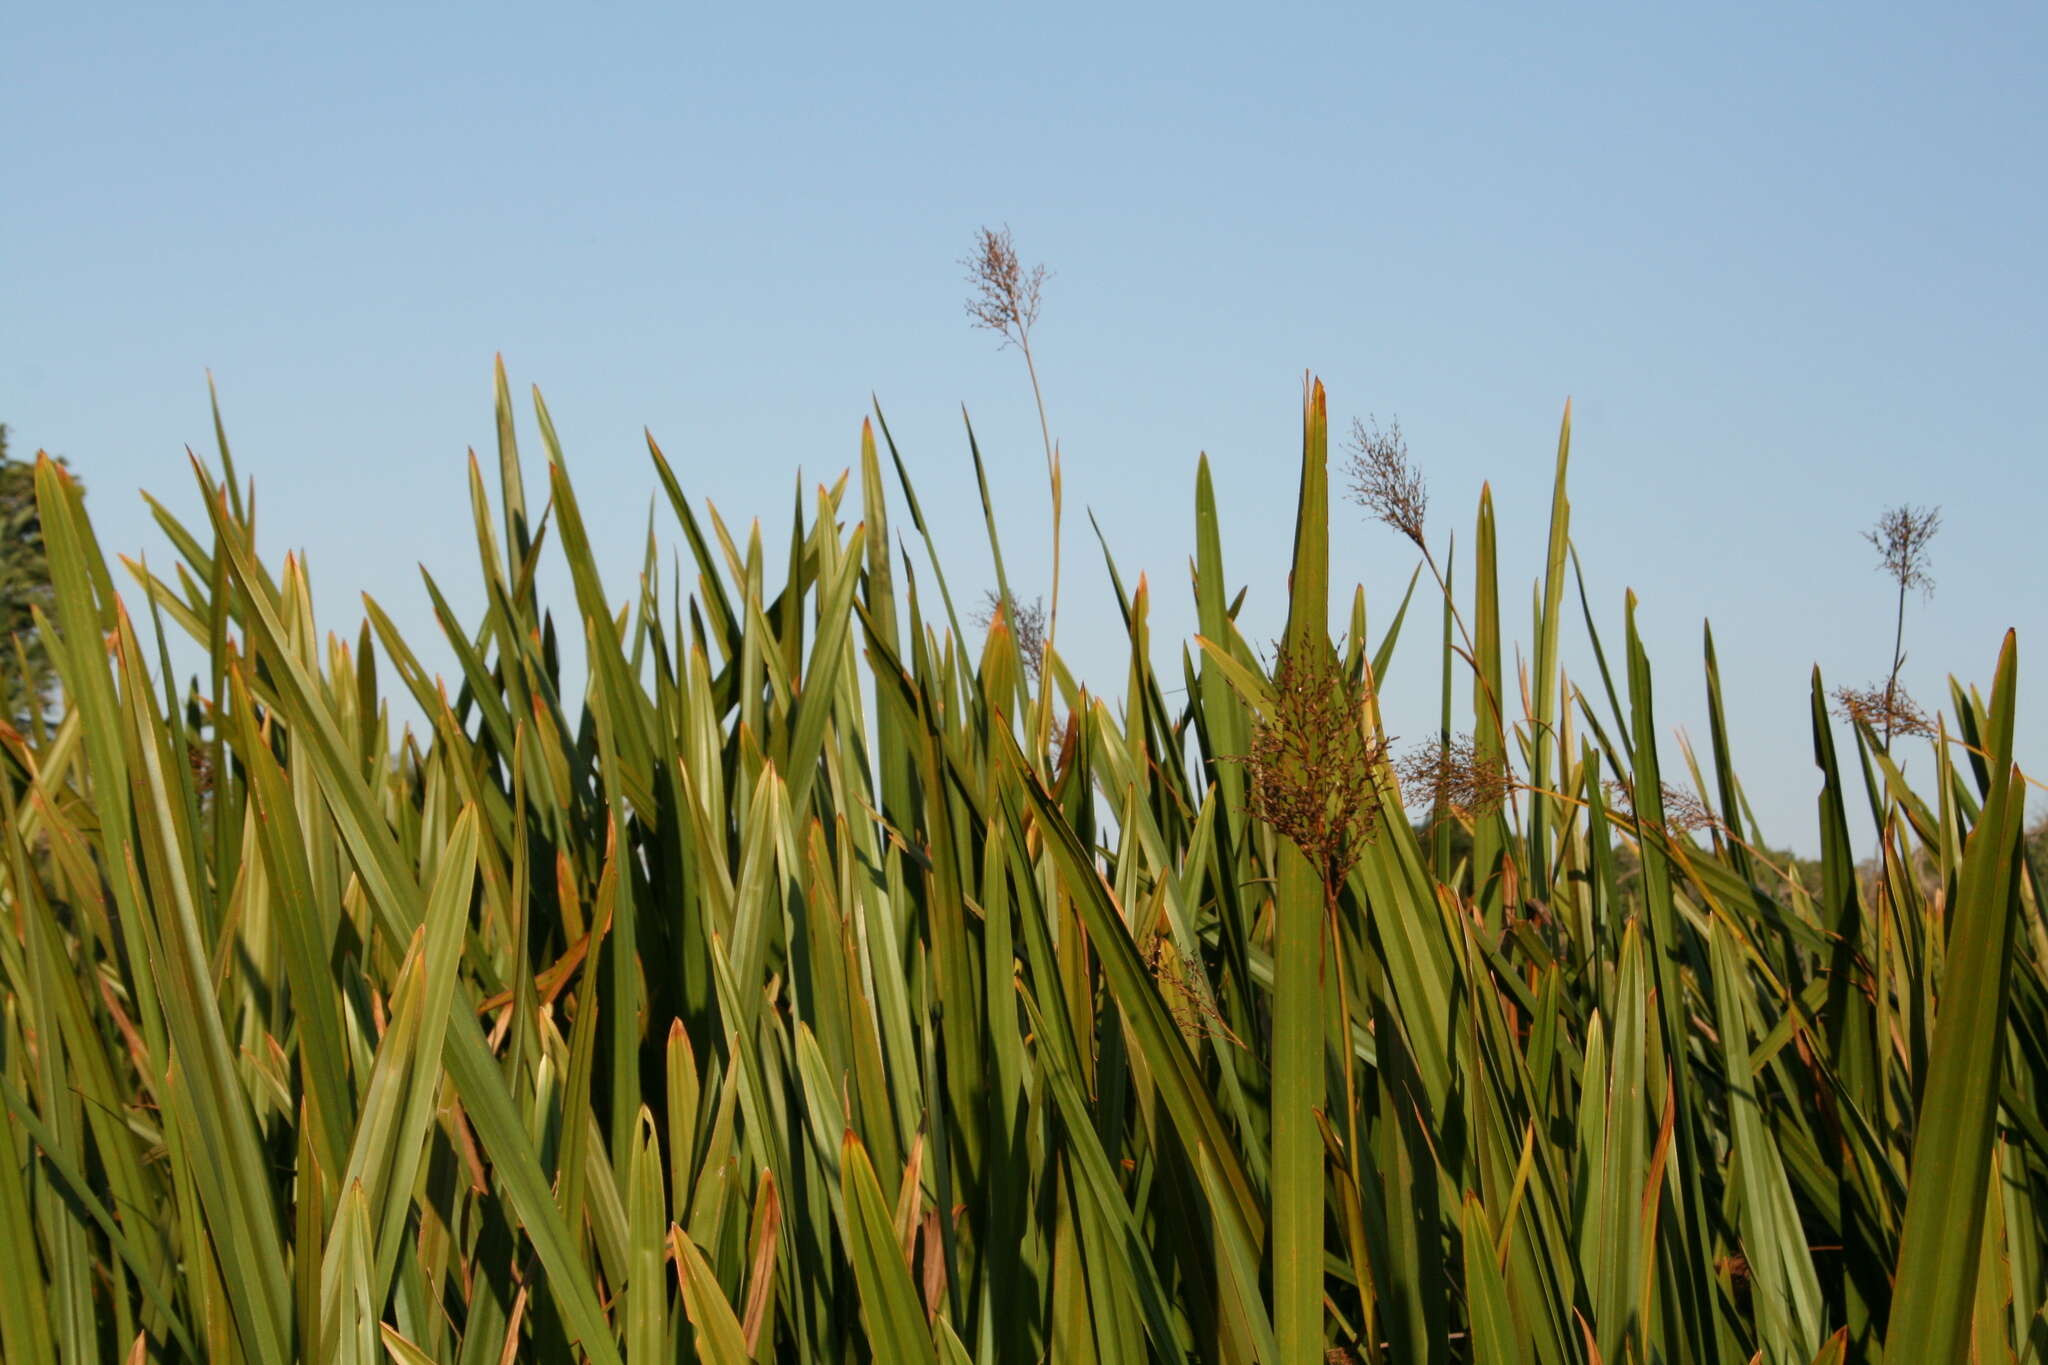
point(28, 681)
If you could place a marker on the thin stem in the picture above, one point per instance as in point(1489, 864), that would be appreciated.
point(1052, 470)
point(1471, 650)
point(1898, 660)
point(1445, 589)
point(1052, 621)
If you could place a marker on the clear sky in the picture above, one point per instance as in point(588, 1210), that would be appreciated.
point(1788, 261)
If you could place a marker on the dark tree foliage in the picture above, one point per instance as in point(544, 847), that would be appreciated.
point(28, 681)
point(2037, 850)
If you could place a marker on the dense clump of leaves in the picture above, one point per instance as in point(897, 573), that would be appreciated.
point(780, 991)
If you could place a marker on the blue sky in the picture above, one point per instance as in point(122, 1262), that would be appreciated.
point(1786, 259)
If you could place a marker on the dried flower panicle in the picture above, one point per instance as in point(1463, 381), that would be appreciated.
point(1005, 298)
point(1383, 480)
point(201, 762)
point(1452, 776)
point(1186, 995)
point(1886, 710)
point(1684, 812)
point(1900, 538)
point(1025, 622)
point(1313, 762)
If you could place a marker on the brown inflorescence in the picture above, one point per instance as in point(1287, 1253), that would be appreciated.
point(1453, 777)
point(1683, 811)
point(1314, 759)
point(1187, 997)
point(1383, 480)
point(1887, 710)
point(1005, 298)
point(1900, 538)
point(1025, 622)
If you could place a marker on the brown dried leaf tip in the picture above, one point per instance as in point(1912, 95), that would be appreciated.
point(1026, 624)
point(1383, 480)
point(1683, 811)
point(1886, 710)
point(1900, 538)
point(1453, 777)
point(1005, 298)
point(1313, 761)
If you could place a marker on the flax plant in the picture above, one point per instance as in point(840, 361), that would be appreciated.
point(760, 998)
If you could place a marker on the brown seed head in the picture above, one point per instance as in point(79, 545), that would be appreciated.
point(1383, 481)
point(1186, 995)
point(1886, 709)
point(1026, 624)
point(1313, 761)
point(202, 767)
point(1005, 297)
point(1901, 537)
point(1451, 776)
point(1684, 812)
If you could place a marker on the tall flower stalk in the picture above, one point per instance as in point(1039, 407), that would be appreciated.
point(1005, 301)
point(1386, 484)
point(1900, 538)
